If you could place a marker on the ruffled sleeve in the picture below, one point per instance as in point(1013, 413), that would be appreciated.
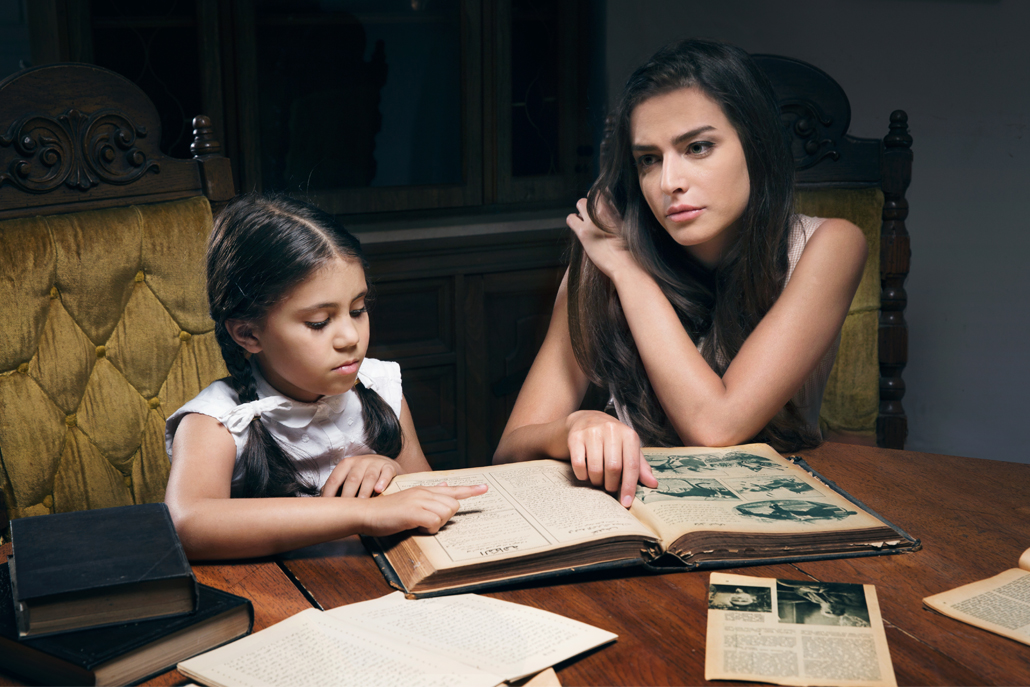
point(383, 377)
point(218, 401)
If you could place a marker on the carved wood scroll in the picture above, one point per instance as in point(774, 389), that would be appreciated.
point(77, 149)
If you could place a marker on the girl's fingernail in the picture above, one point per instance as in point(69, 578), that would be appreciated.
point(627, 500)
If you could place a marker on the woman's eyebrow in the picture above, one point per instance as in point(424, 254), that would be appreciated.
point(679, 139)
point(692, 133)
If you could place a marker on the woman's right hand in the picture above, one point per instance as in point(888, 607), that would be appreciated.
point(607, 453)
point(428, 508)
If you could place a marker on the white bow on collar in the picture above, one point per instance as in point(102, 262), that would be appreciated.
point(283, 411)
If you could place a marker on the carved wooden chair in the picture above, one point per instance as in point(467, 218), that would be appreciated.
point(104, 328)
point(862, 180)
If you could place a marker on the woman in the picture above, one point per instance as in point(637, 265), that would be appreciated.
point(695, 295)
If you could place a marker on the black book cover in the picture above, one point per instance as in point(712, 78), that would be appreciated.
point(67, 554)
point(71, 657)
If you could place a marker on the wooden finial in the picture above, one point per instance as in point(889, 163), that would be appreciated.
point(204, 141)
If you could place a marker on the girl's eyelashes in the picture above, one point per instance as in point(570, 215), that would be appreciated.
point(359, 311)
point(317, 325)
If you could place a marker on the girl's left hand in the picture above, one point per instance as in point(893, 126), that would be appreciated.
point(360, 476)
point(606, 249)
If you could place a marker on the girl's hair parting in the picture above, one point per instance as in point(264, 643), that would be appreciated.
point(263, 246)
point(719, 308)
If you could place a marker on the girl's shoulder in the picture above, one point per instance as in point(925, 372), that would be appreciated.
point(217, 400)
point(383, 377)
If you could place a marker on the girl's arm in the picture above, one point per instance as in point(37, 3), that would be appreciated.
point(212, 525)
point(774, 361)
point(546, 421)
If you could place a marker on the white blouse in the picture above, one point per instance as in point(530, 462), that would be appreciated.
point(317, 435)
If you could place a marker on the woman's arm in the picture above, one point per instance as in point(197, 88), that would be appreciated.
point(212, 525)
point(774, 361)
point(546, 422)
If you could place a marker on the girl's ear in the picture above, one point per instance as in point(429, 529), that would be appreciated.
point(242, 332)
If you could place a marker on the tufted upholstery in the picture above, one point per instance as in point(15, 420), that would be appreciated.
point(104, 332)
point(852, 396)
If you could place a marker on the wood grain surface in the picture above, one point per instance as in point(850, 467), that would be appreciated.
point(971, 516)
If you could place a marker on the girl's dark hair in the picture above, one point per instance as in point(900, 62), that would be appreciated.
point(261, 248)
point(719, 307)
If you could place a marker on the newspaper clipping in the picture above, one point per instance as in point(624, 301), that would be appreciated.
point(1000, 604)
point(795, 633)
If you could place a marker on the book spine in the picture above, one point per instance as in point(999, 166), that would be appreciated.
point(181, 555)
point(21, 611)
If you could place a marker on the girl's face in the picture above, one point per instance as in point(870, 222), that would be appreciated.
point(312, 341)
point(692, 170)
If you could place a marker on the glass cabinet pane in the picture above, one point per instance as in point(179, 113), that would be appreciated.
point(358, 93)
point(154, 44)
point(535, 62)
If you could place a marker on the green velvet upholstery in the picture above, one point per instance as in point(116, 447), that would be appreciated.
point(104, 331)
point(852, 396)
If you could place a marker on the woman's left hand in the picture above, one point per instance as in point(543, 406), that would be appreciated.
point(606, 249)
point(360, 476)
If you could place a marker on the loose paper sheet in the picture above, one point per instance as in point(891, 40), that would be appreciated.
point(795, 633)
point(1000, 604)
point(456, 640)
point(497, 636)
point(312, 649)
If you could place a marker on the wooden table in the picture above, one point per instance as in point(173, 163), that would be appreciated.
point(971, 515)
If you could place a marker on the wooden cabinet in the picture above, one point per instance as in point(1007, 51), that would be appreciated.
point(464, 316)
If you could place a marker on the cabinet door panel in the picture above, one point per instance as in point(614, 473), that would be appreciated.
point(507, 315)
point(430, 392)
point(412, 318)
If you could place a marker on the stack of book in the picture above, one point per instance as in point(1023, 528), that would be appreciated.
point(107, 597)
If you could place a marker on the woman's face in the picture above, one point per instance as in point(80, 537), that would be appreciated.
point(692, 170)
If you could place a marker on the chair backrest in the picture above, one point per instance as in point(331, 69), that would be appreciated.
point(105, 329)
point(862, 180)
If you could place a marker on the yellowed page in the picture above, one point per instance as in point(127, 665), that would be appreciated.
point(795, 633)
point(739, 489)
point(1000, 604)
point(529, 507)
point(499, 637)
point(312, 649)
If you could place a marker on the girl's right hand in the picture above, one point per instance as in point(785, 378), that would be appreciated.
point(607, 453)
point(428, 508)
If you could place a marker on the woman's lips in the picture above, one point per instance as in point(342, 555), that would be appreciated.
point(348, 368)
point(683, 213)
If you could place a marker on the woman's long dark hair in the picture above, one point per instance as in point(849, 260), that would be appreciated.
point(260, 249)
point(719, 307)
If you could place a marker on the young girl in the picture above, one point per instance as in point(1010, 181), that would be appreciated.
point(303, 412)
point(708, 309)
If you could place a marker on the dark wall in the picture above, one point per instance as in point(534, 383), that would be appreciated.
point(960, 69)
